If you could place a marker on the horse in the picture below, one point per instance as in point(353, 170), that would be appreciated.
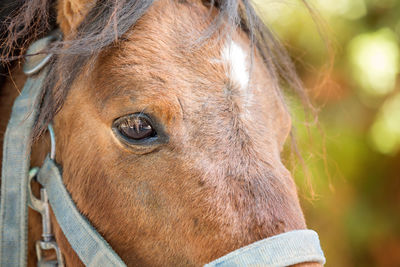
point(169, 121)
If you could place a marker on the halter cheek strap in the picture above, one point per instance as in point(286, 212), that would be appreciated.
point(281, 250)
point(92, 249)
point(15, 168)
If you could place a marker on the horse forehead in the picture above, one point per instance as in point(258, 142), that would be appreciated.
point(157, 54)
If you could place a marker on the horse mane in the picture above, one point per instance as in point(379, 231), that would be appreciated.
point(104, 25)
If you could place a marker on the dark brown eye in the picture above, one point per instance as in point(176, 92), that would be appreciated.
point(136, 127)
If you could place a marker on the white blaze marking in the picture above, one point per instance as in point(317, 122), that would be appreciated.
point(236, 59)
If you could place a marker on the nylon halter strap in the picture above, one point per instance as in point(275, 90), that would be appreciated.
point(89, 245)
point(16, 162)
point(280, 250)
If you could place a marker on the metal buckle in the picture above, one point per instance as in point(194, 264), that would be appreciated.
point(48, 245)
point(48, 242)
point(36, 57)
point(52, 141)
point(42, 206)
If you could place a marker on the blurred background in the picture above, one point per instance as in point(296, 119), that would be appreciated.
point(350, 189)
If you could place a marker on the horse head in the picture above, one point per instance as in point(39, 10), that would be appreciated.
point(170, 141)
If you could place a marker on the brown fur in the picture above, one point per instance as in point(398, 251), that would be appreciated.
point(217, 185)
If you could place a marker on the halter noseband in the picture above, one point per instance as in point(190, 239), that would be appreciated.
point(281, 250)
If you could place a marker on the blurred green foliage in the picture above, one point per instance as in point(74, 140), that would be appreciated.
point(353, 152)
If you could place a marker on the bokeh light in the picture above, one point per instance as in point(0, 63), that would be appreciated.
point(385, 132)
point(375, 60)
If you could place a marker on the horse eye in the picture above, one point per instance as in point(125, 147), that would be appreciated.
point(135, 126)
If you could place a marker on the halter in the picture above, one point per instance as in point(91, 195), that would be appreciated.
point(281, 250)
